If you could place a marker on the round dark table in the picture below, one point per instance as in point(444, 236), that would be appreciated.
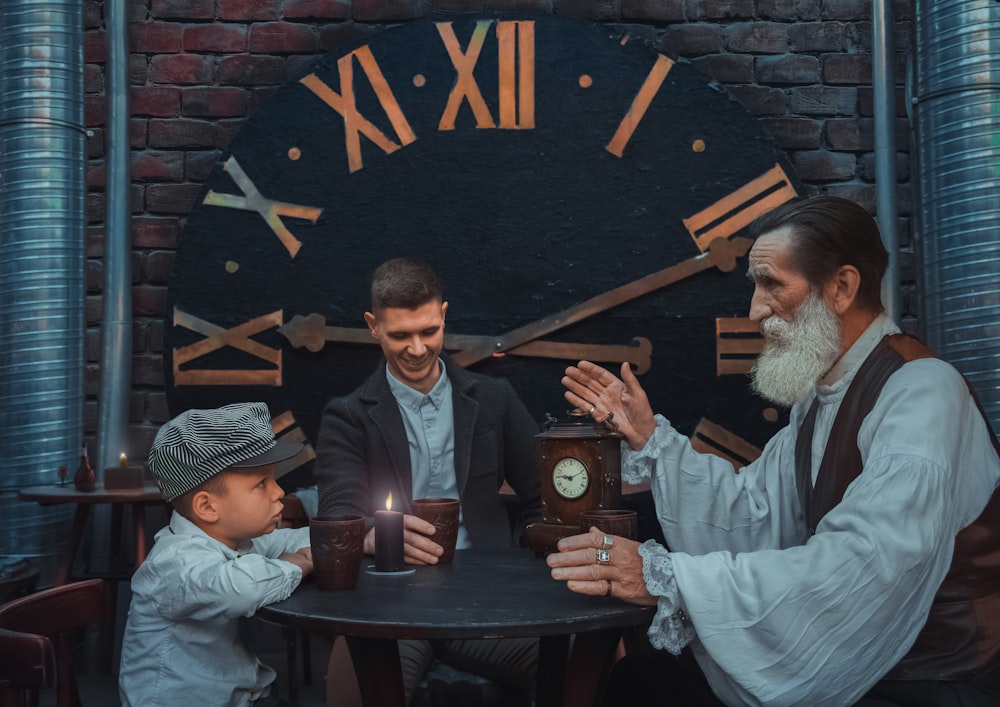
point(482, 594)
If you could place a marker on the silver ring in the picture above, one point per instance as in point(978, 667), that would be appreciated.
point(607, 592)
point(608, 542)
point(603, 557)
point(591, 411)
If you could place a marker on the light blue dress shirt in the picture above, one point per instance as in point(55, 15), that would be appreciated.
point(429, 421)
point(182, 643)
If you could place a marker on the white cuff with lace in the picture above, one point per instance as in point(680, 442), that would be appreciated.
point(671, 628)
point(638, 465)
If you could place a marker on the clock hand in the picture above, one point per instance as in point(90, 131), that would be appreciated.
point(312, 332)
point(637, 353)
point(722, 253)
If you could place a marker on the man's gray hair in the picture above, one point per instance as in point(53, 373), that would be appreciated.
point(830, 232)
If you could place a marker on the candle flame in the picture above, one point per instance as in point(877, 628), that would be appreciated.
point(388, 502)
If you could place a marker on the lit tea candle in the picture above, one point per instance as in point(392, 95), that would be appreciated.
point(122, 461)
point(388, 539)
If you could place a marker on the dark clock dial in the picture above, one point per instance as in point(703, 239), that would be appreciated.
point(581, 194)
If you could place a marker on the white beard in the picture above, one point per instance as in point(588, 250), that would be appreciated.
point(797, 353)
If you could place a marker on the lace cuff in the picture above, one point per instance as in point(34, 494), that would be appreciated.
point(671, 628)
point(638, 466)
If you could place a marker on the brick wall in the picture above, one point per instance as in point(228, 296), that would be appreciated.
point(198, 68)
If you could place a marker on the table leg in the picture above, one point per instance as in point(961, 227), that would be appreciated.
point(589, 663)
point(115, 540)
point(139, 529)
point(290, 634)
point(65, 568)
point(376, 663)
point(552, 652)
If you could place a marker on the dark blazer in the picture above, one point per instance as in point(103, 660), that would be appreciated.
point(362, 453)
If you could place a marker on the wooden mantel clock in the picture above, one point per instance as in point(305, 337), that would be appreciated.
point(581, 194)
point(580, 470)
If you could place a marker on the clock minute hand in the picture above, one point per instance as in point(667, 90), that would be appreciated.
point(722, 254)
point(312, 333)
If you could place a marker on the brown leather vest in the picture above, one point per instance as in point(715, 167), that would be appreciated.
point(962, 634)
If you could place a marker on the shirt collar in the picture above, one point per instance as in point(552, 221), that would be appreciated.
point(179, 525)
point(414, 399)
point(842, 373)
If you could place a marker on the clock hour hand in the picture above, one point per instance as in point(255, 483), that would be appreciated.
point(638, 353)
point(722, 254)
point(311, 332)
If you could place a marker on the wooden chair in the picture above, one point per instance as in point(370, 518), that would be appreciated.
point(27, 664)
point(36, 649)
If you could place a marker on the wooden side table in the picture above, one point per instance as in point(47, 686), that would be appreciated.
point(136, 498)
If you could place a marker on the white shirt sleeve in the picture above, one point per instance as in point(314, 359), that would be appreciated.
point(226, 588)
point(278, 542)
point(704, 504)
point(670, 629)
point(208, 583)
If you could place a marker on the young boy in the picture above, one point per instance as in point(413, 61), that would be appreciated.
point(218, 560)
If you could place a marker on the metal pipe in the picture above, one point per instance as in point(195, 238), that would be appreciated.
point(116, 327)
point(42, 217)
point(883, 84)
point(956, 115)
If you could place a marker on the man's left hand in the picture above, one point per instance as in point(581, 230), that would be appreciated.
point(577, 562)
point(418, 547)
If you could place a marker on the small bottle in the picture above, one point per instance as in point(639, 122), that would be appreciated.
point(85, 478)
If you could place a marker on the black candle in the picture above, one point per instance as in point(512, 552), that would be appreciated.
point(388, 539)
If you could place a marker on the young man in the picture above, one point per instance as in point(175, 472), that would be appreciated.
point(854, 562)
point(420, 427)
point(218, 560)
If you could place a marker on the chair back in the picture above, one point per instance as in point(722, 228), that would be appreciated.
point(36, 641)
point(293, 514)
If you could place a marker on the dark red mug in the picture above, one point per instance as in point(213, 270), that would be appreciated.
point(338, 545)
point(611, 521)
point(442, 513)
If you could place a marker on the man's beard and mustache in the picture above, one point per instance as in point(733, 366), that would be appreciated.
point(796, 354)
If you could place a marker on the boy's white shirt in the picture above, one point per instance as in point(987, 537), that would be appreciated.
point(182, 642)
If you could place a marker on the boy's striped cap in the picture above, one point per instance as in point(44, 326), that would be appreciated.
point(198, 444)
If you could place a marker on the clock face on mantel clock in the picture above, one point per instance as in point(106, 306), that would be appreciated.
point(581, 194)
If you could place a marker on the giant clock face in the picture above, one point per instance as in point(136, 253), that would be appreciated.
point(581, 195)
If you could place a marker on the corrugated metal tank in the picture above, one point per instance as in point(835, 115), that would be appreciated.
point(955, 103)
point(42, 219)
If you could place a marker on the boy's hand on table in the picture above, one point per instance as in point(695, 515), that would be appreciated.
point(301, 557)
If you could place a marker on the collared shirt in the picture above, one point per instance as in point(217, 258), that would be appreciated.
point(777, 617)
point(429, 421)
point(182, 643)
